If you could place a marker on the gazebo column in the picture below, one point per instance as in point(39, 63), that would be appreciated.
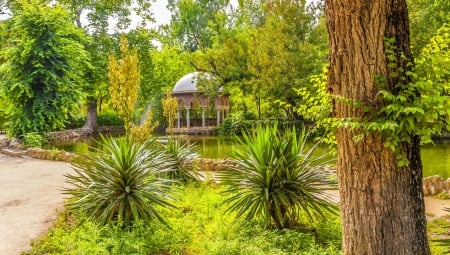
point(218, 117)
point(203, 116)
point(188, 120)
point(178, 117)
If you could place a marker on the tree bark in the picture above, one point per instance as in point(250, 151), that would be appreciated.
point(91, 118)
point(382, 204)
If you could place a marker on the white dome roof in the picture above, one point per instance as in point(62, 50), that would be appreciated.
point(187, 83)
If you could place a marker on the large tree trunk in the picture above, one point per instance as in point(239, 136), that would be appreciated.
point(91, 119)
point(382, 204)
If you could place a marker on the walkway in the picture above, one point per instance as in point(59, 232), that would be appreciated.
point(30, 196)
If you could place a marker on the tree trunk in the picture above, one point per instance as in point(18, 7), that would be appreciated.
point(91, 118)
point(382, 204)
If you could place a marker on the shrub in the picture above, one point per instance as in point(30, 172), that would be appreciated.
point(183, 155)
point(233, 125)
point(33, 139)
point(109, 119)
point(277, 177)
point(120, 183)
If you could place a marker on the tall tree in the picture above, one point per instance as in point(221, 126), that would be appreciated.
point(99, 15)
point(195, 22)
point(125, 80)
point(43, 69)
point(380, 175)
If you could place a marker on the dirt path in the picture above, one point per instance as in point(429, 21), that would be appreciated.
point(30, 196)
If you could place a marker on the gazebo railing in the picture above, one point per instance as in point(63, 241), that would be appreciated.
point(209, 122)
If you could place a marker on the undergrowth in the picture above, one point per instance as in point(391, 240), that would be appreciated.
point(198, 226)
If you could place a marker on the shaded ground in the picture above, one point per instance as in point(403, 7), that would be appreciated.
point(30, 197)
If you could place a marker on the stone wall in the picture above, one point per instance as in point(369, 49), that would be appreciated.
point(73, 134)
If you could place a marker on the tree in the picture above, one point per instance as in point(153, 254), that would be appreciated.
point(125, 80)
point(43, 69)
point(97, 23)
point(380, 173)
point(194, 22)
point(426, 17)
point(170, 107)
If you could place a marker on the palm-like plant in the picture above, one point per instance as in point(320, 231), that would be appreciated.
point(183, 156)
point(278, 177)
point(120, 182)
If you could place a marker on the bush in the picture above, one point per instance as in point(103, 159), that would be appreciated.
point(234, 125)
point(277, 178)
point(109, 119)
point(183, 155)
point(33, 139)
point(200, 227)
point(121, 182)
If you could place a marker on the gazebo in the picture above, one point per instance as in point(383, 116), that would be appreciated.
point(195, 109)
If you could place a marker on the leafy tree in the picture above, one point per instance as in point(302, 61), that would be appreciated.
point(283, 56)
point(426, 17)
point(381, 109)
point(195, 22)
point(169, 65)
point(125, 80)
point(170, 106)
point(42, 76)
point(97, 23)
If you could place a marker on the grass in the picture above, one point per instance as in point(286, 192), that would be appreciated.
point(198, 226)
point(439, 235)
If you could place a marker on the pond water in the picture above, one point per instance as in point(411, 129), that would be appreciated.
point(436, 158)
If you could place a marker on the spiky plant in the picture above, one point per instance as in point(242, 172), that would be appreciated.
point(121, 182)
point(183, 156)
point(278, 177)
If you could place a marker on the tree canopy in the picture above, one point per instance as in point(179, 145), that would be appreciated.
point(45, 59)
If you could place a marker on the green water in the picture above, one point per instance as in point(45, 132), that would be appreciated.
point(435, 158)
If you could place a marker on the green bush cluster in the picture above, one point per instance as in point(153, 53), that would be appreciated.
point(103, 119)
point(277, 177)
point(199, 226)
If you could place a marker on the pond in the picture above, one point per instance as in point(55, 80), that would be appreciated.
point(436, 158)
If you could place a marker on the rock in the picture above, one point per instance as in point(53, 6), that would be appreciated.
point(433, 185)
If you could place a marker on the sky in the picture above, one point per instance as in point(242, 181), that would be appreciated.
point(160, 11)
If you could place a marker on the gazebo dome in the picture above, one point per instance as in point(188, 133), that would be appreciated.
point(188, 83)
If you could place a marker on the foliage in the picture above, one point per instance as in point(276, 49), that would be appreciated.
point(195, 22)
point(33, 139)
point(438, 235)
point(276, 177)
point(109, 119)
point(120, 183)
point(125, 80)
point(144, 131)
point(183, 155)
point(235, 124)
point(43, 71)
point(420, 107)
point(200, 228)
point(169, 64)
point(282, 55)
point(170, 109)
point(416, 108)
point(426, 17)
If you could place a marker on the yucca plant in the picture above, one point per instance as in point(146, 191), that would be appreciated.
point(278, 177)
point(121, 182)
point(183, 156)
